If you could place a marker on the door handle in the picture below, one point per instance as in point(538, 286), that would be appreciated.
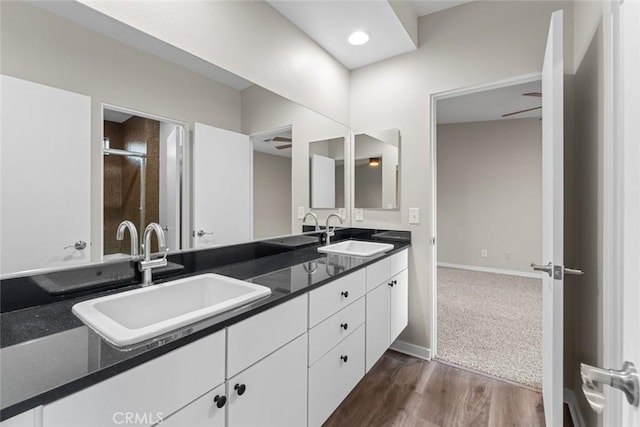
point(544, 268)
point(625, 380)
point(556, 271)
point(201, 233)
point(79, 245)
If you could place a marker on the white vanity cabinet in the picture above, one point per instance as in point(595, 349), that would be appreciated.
point(387, 304)
point(147, 393)
point(336, 343)
point(267, 367)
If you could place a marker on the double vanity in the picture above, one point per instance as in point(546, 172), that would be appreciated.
point(311, 326)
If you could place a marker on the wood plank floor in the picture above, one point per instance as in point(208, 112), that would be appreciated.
point(404, 391)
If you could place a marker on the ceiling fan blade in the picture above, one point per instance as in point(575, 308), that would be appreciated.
point(283, 147)
point(536, 94)
point(281, 139)
point(521, 111)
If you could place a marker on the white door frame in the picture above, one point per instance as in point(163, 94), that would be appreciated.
point(185, 173)
point(433, 130)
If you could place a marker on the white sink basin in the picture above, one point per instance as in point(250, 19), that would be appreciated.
point(131, 317)
point(356, 248)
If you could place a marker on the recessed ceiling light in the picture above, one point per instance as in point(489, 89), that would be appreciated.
point(358, 38)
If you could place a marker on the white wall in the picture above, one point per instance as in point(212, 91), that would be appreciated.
point(44, 48)
point(489, 193)
point(248, 38)
point(474, 43)
point(271, 195)
point(263, 110)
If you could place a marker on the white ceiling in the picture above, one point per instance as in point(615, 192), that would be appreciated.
point(491, 105)
point(264, 143)
point(115, 116)
point(329, 23)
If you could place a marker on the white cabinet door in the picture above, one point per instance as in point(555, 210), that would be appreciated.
point(25, 419)
point(273, 392)
point(399, 305)
point(45, 176)
point(222, 186)
point(207, 411)
point(377, 326)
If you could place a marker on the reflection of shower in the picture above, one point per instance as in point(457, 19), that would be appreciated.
point(143, 168)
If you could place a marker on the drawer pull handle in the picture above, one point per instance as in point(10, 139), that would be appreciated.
point(240, 389)
point(220, 400)
point(345, 294)
point(344, 358)
point(344, 326)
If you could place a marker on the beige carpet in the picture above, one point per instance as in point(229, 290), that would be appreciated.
point(491, 323)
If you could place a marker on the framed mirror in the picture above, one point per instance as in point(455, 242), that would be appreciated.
point(377, 169)
point(327, 173)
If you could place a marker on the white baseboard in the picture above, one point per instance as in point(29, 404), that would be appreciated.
point(411, 349)
point(531, 275)
point(569, 397)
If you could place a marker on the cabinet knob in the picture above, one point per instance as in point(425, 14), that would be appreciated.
point(344, 358)
point(395, 282)
point(391, 283)
point(220, 400)
point(344, 326)
point(345, 294)
point(240, 389)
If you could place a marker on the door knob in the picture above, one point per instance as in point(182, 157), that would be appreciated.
point(556, 271)
point(625, 380)
point(201, 233)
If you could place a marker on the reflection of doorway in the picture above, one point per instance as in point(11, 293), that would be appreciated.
point(272, 183)
point(487, 192)
point(142, 171)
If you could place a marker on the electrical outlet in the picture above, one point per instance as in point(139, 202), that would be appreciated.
point(507, 255)
point(485, 253)
point(359, 214)
point(301, 212)
point(414, 215)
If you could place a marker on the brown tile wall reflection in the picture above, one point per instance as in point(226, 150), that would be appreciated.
point(112, 189)
point(143, 136)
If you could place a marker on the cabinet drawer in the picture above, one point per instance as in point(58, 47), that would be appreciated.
point(399, 262)
point(324, 336)
point(331, 379)
point(334, 296)
point(149, 391)
point(203, 412)
point(378, 273)
point(254, 338)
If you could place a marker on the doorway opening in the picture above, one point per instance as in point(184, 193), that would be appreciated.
point(142, 170)
point(487, 189)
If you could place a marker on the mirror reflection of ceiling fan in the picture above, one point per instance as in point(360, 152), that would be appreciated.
point(280, 139)
point(534, 94)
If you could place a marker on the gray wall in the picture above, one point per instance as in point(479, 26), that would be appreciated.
point(489, 193)
point(271, 195)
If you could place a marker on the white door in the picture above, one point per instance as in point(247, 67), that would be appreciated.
point(222, 191)
point(171, 140)
point(45, 176)
point(323, 182)
point(630, 50)
point(552, 223)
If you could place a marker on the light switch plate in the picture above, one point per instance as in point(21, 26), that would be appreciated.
point(359, 214)
point(301, 212)
point(414, 215)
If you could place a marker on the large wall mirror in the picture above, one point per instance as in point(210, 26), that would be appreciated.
point(95, 131)
point(377, 169)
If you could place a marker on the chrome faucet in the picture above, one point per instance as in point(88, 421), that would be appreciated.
point(147, 264)
point(331, 231)
point(315, 218)
point(133, 231)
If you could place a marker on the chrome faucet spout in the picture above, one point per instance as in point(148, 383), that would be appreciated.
point(315, 218)
point(147, 264)
point(133, 231)
point(330, 232)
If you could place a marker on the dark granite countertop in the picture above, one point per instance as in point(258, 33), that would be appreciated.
point(48, 353)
